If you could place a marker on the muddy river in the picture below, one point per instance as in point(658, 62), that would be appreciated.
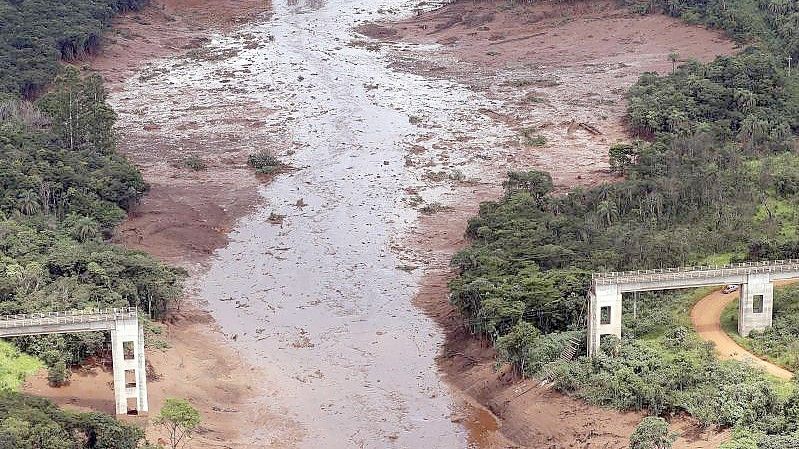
point(316, 286)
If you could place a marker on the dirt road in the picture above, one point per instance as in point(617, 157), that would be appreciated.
point(706, 316)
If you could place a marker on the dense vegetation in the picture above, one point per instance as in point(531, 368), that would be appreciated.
point(33, 423)
point(36, 34)
point(711, 178)
point(63, 188)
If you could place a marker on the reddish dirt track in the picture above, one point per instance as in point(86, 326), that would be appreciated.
point(706, 316)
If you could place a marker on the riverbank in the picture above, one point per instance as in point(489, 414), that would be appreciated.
point(566, 102)
point(185, 216)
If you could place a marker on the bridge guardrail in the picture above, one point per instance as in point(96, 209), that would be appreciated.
point(67, 317)
point(695, 272)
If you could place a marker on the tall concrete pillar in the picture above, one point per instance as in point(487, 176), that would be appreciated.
point(756, 304)
point(141, 375)
point(130, 376)
point(604, 314)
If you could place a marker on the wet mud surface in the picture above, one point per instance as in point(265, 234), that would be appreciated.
point(560, 73)
point(315, 286)
point(327, 283)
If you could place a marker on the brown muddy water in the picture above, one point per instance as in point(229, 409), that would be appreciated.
point(316, 286)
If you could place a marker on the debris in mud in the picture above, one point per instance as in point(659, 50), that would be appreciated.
point(433, 208)
point(414, 199)
point(414, 120)
point(368, 45)
point(276, 218)
point(317, 374)
point(303, 341)
point(195, 42)
point(212, 54)
point(590, 128)
point(407, 268)
point(224, 410)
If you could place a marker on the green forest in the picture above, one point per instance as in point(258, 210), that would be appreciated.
point(36, 35)
point(63, 188)
point(710, 176)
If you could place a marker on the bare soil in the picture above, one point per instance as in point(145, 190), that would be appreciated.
point(556, 67)
point(199, 367)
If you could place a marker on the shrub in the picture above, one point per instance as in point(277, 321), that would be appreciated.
point(651, 433)
point(264, 162)
point(195, 163)
point(58, 374)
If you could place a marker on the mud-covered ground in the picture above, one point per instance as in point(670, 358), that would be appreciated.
point(554, 68)
point(187, 214)
point(310, 279)
point(560, 71)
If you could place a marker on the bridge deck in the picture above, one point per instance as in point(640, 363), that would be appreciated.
point(64, 322)
point(672, 278)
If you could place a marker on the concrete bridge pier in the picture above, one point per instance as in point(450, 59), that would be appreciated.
point(130, 373)
point(127, 345)
point(604, 315)
point(756, 303)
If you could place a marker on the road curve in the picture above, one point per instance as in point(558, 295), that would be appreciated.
point(706, 318)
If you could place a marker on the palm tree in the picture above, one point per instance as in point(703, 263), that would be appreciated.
point(745, 100)
point(778, 7)
point(674, 57)
point(28, 202)
point(85, 228)
point(752, 129)
point(607, 210)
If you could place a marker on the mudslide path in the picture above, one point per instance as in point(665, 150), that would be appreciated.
point(706, 318)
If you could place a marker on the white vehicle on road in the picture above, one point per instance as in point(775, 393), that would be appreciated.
point(730, 288)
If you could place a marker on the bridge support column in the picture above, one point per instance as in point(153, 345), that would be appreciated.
point(604, 314)
point(130, 374)
point(756, 303)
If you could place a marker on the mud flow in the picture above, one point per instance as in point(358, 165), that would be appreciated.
point(313, 287)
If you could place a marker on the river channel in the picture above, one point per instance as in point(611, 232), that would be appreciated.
point(316, 286)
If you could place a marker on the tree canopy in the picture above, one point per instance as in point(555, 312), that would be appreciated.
point(36, 34)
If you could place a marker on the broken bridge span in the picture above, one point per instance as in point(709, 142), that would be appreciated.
point(127, 345)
